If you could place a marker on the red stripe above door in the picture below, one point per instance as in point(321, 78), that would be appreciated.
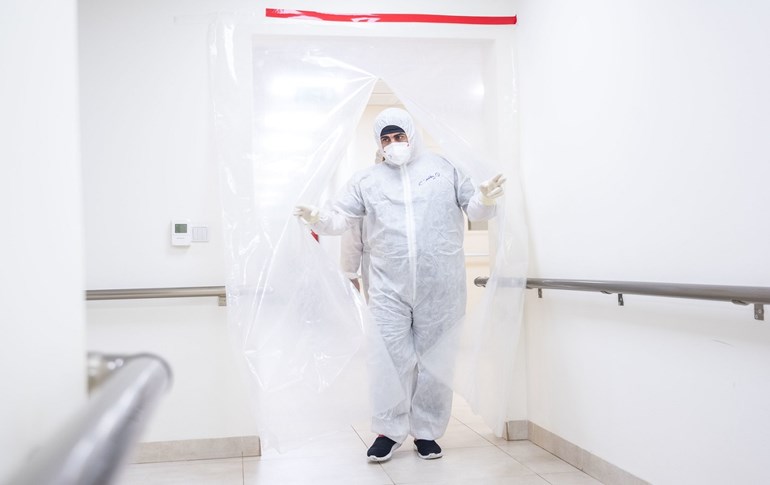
point(389, 17)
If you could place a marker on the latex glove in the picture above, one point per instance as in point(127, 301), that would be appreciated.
point(492, 189)
point(308, 213)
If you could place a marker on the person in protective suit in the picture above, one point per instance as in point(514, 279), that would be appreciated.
point(412, 206)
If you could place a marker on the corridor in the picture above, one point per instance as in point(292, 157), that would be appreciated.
point(472, 455)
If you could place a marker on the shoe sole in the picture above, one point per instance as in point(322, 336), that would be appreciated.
point(383, 458)
point(429, 456)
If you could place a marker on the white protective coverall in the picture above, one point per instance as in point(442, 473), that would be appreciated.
point(413, 214)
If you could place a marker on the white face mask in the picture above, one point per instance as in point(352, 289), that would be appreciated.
point(397, 153)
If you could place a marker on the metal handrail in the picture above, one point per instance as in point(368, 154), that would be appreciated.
point(740, 295)
point(94, 446)
point(141, 293)
point(147, 293)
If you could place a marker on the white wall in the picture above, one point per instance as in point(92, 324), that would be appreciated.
point(644, 130)
point(148, 157)
point(42, 360)
point(209, 398)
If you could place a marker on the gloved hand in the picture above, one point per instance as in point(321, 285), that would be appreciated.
point(308, 213)
point(492, 189)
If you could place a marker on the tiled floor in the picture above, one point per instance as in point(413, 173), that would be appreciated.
point(472, 455)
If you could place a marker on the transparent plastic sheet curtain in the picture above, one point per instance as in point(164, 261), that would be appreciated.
point(285, 110)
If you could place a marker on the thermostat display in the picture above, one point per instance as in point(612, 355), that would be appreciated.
point(180, 233)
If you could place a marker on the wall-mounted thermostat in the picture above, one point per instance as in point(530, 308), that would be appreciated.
point(181, 232)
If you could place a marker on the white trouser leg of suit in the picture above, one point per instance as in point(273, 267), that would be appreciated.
point(432, 398)
point(408, 334)
point(396, 330)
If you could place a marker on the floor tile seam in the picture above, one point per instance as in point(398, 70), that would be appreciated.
point(358, 434)
point(489, 441)
point(579, 472)
point(191, 460)
point(243, 470)
point(511, 456)
point(336, 475)
point(553, 458)
point(308, 460)
point(479, 434)
point(446, 448)
point(466, 425)
point(546, 452)
point(519, 458)
point(574, 472)
point(448, 451)
point(476, 433)
point(546, 480)
point(403, 450)
point(385, 471)
point(499, 474)
point(556, 458)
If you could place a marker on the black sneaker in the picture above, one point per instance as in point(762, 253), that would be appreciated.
point(428, 449)
point(381, 449)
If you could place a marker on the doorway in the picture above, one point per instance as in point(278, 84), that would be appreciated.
point(289, 112)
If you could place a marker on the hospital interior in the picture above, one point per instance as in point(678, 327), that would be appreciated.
point(169, 320)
